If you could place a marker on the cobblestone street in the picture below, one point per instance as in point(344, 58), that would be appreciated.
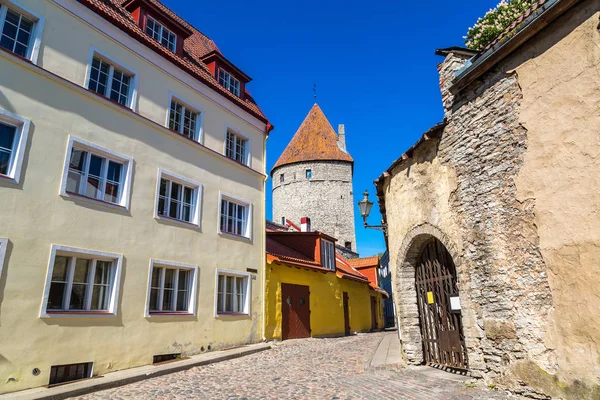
point(301, 369)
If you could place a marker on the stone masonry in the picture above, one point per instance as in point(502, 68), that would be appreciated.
point(326, 198)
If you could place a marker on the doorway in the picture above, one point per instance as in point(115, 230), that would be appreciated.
point(374, 326)
point(439, 307)
point(295, 311)
point(346, 314)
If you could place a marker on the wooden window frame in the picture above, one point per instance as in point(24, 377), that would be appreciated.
point(116, 259)
point(22, 126)
point(113, 63)
point(247, 295)
point(186, 105)
point(197, 198)
point(192, 296)
point(126, 172)
point(35, 39)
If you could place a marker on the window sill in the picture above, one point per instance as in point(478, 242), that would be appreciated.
point(153, 314)
point(172, 220)
point(12, 53)
point(7, 178)
point(186, 137)
point(233, 314)
point(78, 314)
point(247, 165)
point(235, 236)
point(78, 196)
point(129, 108)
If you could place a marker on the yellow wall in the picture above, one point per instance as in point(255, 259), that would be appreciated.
point(326, 301)
point(33, 215)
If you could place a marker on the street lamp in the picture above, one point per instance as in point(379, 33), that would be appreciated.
point(365, 209)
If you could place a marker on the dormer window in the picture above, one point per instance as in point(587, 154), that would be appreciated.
point(327, 255)
point(161, 34)
point(229, 82)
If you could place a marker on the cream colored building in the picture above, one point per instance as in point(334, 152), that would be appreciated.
point(132, 191)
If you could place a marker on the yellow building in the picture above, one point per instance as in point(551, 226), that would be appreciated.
point(132, 191)
point(311, 291)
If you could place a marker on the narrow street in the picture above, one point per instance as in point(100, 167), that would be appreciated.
point(337, 368)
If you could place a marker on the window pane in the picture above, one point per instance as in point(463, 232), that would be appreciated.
point(78, 292)
point(155, 277)
point(229, 293)
point(176, 190)
point(169, 278)
point(113, 180)
point(183, 290)
point(168, 300)
point(189, 124)
point(55, 297)
point(60, 269)
point(120, 87)
point(223, 215)
point(7, 142)
point(175, 116)
point(220, 306)
point(102, 274)
point(99, 76)
point(16, 33)
point(81, 270)
point(154, 300)
point(94, 177)
point(99, 298)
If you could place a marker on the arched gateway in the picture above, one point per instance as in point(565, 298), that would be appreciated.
point(428, 300)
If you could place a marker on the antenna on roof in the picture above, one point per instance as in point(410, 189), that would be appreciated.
point(315, 91)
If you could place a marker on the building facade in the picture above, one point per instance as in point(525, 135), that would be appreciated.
point(313, 292)
point(313, 178)
point(385, 282)
point(132, 173)
point(493, 214)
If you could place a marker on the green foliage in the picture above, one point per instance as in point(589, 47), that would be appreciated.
point(494, 22)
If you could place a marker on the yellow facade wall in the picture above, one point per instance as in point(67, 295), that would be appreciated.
point(326, 301)
point(33, 215)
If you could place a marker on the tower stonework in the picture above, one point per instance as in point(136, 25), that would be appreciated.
point(313, 178)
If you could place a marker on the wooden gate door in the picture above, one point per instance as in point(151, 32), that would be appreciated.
point(373, 313)
point(346, 315)
point(295, 311)
point(439, 309)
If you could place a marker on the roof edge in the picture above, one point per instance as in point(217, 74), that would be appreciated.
point(307, 161)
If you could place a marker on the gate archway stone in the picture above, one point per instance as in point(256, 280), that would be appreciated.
point(408, 311)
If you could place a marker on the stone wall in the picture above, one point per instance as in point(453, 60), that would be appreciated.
point(326, 198)
point(518, 142)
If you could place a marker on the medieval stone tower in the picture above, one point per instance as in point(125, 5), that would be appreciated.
point(313, 178)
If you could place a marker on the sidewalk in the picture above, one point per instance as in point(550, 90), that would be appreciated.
point(387, 353)
point(124, 377)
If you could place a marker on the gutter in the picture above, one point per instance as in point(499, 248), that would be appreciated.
point(539, 19)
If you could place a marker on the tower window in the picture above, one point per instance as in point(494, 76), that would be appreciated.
point(282, 220)
point(281, 178)
point(308, 173)
point(348, 245)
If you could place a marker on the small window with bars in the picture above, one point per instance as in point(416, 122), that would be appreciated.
point(236, 147)
point(70, 372)
point(111, 81)
point(184, 119)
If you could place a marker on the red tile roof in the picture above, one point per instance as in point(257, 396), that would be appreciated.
point(365, 262)
point(314, 140)
point(196, 46)
point(347, 270)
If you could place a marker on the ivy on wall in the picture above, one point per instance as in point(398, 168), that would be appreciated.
point(494, 22)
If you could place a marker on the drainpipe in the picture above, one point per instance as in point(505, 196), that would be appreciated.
point(263, 232)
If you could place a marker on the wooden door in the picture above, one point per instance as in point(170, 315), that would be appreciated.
point(441, 328)
point(346, 315)
point(373, 313)
point(295, 311)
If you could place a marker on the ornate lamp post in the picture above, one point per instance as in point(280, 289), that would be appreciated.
point(365, 209)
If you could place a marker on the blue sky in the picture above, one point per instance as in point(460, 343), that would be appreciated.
point(373, 64)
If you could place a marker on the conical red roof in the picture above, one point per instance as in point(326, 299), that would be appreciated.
point(314, 140)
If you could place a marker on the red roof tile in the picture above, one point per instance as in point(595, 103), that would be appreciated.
point(364, 262)
point(196, 46)
point(314, 140)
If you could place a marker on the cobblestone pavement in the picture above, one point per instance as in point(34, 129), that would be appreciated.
point(302, 369)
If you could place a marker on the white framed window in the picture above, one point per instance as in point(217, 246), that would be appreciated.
point(111, 79)
point(171, 288)
point(3, 245)
point(97, 174)
point(308, 173)
point(232, 294)
point(20, 30)
point(178, 198)
point(161, 34)
point(229, 82)
point(81, 281)
point(235, 216)
point(328, 254)
point(237, 146)
point(185, 119)
point(14, 130)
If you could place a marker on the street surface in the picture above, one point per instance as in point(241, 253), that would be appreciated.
point(336, 368)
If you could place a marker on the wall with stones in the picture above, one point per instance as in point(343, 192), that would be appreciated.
point(326, 198)
point(512, 191)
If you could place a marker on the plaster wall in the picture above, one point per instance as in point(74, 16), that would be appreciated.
point(326, 198)
point(560, 80)
point(326, 301)
point(34, 216)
